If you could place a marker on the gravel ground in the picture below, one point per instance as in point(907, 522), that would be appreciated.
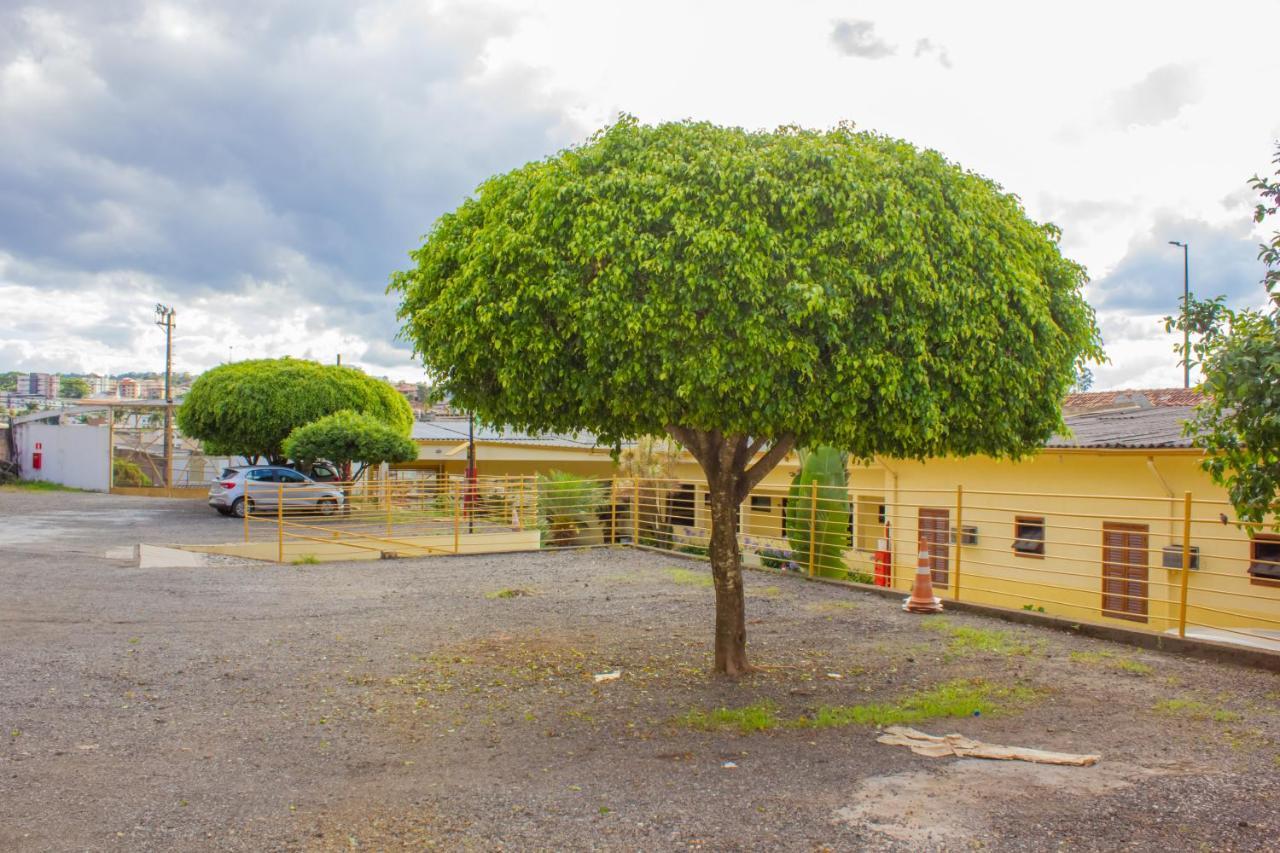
point(405, 704)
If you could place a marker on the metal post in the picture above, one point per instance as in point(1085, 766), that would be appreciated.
point(247, 510)
point(813, 527)
point(660, 495)
point(457, 515)
point(111, 449)
point(280, 523)
point(959, 537)
point(613, 510)
point(1186, 564)
point(471, 472)
point(1186, 305)
point(635, 511)
point(164, 318)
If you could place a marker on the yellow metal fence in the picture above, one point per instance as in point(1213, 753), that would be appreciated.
point(1176, 565)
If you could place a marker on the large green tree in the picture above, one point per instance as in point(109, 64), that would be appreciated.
point(1238, 353)
point(350, 437)
point(73, 387)
point(248, 408)
point(745, 292)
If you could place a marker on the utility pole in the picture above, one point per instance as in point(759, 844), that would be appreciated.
point(164, 319)
point(471, 471)
point(1186, 303)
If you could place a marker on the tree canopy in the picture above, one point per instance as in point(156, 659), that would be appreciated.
point(73, 387)
point(745, 292)
point(248, 408)
point(346, 437)
point(1239, 355)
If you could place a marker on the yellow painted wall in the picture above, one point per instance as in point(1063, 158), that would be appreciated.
point(1077, 492)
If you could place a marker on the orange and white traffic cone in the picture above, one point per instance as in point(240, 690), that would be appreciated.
point(922, 599)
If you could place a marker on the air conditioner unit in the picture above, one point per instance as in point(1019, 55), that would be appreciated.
point(1171, 557)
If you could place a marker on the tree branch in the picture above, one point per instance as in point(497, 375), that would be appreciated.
point(753, 475)
point(694, 440)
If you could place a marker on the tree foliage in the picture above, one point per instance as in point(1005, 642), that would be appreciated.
point(745, 292)
point(346, 437)
point(1238, 353)
point(841, 287)
point(73, 387)
point(248, 408)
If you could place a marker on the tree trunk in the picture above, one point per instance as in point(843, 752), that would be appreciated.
point(732, 471)
point(726, 569)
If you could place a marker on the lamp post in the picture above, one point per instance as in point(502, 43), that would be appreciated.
point(164, 319)
point(1186, 329)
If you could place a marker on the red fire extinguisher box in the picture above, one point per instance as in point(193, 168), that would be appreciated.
point(37, 457)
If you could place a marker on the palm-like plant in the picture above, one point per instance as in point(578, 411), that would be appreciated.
point(567, 503)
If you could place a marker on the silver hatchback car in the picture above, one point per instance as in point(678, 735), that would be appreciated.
point(266, 487)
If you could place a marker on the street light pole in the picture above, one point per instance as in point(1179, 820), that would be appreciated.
point(1186, 304)
point(164, 319)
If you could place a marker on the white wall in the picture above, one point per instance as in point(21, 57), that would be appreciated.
point(73, 454)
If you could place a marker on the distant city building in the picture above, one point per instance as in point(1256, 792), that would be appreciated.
point(128, 389)
point(38, 385)
point(100, 386)
point(151, 389)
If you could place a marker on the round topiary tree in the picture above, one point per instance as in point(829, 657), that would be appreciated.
point(745, 292)
point(347, 437)
point(248, 408)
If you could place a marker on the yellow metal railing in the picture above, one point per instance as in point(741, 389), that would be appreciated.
point(1176, 572)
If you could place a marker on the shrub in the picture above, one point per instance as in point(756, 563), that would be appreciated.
point(126, 473)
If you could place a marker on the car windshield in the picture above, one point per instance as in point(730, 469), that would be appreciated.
point(228, 473)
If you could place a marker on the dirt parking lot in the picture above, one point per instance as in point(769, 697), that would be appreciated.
point(450, 702)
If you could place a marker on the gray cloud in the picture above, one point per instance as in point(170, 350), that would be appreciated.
point(926, 48)
point(1156, 98)
point(858, 38)
point(1148, 279)
point(217, 148)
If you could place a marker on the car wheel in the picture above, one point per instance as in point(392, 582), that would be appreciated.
point(327, 506)
point(238, 507)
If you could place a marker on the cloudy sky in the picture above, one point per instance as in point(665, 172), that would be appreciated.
point(263, 166)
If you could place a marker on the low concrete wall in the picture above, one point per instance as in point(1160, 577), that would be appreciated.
point(353, 547)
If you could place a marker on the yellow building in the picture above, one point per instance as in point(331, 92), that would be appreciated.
point(1090, 528)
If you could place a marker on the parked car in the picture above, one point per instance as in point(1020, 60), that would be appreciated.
point(262, 487)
